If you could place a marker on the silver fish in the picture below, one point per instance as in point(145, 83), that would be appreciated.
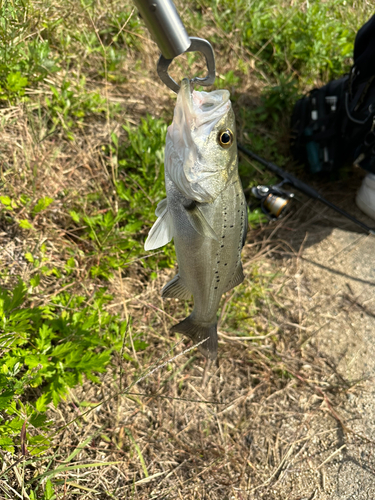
point(205, 210)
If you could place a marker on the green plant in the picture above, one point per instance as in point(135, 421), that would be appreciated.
point(41, 205)
point(240, 312)
point(278, 100)
point(256, 217)
point(46, 350)
point(228, 80)
point(25, 59)
point(118, 234)
point(69, 105)
point(14, 84)
point(310, 40)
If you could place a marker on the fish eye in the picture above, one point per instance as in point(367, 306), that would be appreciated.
point(225, 138)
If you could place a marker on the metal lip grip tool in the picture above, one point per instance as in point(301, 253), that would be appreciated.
point(168, 31)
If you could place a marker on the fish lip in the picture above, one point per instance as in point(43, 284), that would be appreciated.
point(186, 96)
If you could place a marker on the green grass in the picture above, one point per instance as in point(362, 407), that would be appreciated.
point(310, 40)
point(48, 349)
point(135, 163)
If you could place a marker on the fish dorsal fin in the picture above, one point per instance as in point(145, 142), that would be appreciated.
point(161, 232)
point(199, 222)
point(162, 205)
point(236, 279)
point(174, 289)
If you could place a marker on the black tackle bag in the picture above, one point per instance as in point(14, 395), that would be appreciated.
point(335, 125)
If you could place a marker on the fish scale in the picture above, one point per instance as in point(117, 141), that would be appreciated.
point(205, 211)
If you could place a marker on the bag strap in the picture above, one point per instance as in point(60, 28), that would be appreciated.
point(364, 50)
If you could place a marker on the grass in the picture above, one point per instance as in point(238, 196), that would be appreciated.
point(83, 119)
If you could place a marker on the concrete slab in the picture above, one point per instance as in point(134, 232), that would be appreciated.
point(336, 276)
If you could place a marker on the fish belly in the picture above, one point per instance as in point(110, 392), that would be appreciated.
point(209, 267)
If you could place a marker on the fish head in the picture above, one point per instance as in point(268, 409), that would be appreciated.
point(201, 148)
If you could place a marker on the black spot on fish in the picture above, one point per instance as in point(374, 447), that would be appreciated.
point(215, 287)
point(231, 225)
point(226, 264)
point(221, 246)
point(223, 236)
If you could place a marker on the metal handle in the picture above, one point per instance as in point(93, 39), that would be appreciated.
point(197, 45)
point(165, 26)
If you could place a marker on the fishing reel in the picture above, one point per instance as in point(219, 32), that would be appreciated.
point(274, 201)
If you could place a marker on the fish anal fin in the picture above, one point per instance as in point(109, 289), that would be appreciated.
point(197, 332)
point(199, 222)
point(161, 232)
point(175, 289)
point(237, 279)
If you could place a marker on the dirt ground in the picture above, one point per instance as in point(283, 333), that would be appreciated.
point(331, 287)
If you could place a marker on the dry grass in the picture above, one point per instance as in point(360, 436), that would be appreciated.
point(235, 429)
point(234, 436)
point(188, 430)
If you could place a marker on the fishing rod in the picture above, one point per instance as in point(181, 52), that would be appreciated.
point(274, 199)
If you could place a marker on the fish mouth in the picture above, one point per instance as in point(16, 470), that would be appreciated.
point(201, 106)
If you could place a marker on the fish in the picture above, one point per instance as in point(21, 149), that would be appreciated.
point(205, 211)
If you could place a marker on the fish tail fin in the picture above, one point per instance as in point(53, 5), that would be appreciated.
point(197, 332)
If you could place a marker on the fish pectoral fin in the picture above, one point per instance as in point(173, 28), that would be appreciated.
point(197, 332)
point(175, 289)
point(161, 232)
point(162, 205)
point(236, 280)
point(199, 222)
